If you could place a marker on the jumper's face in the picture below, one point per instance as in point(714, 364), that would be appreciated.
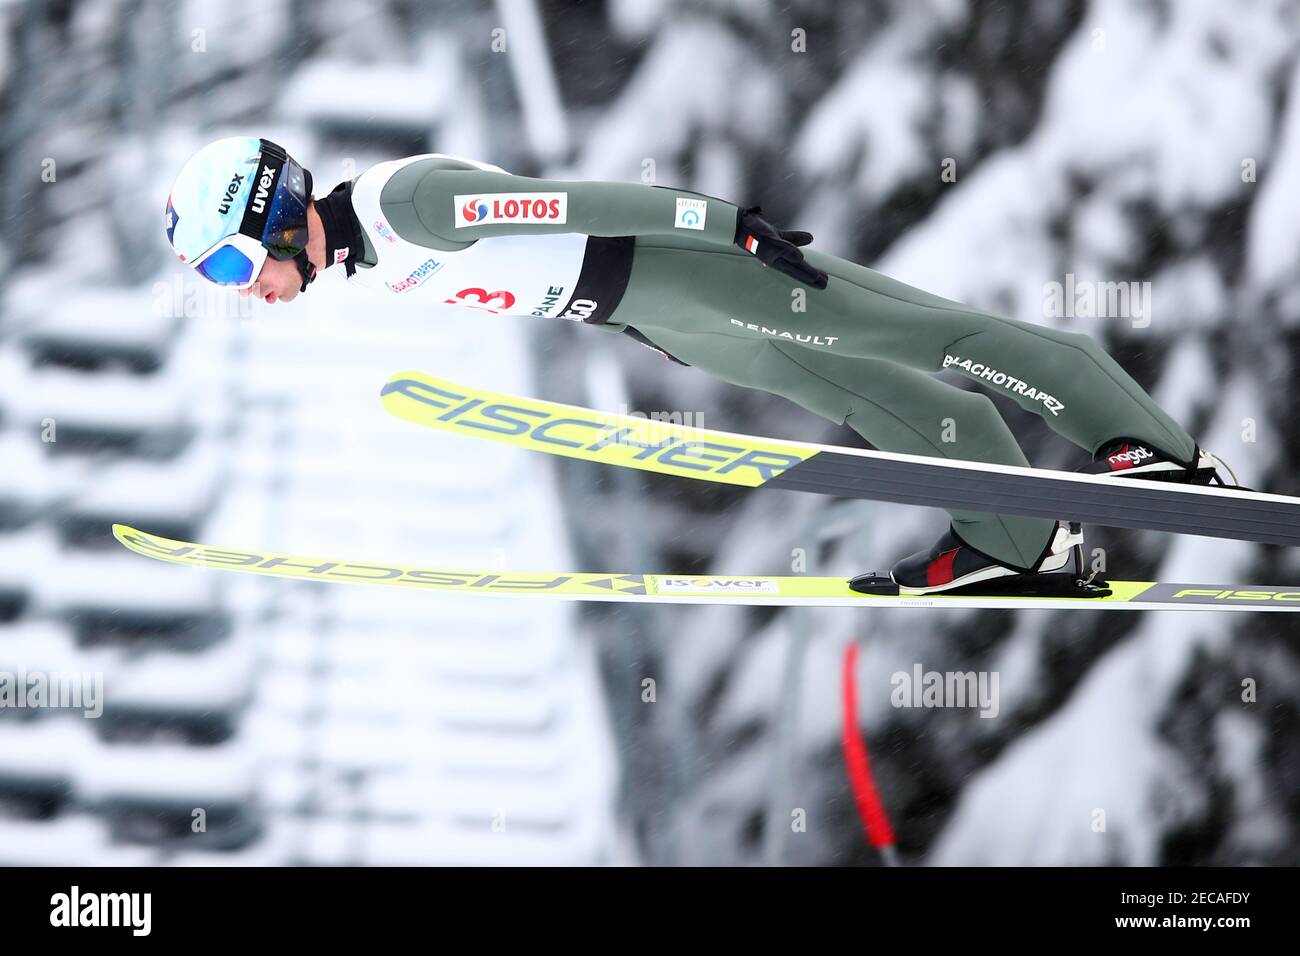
point(279, 281)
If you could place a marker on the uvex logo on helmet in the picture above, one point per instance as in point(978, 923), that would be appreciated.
point(231, 191)
point(264, 184)
point(1130, 457)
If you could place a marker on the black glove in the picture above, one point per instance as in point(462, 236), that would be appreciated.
point(776, 248)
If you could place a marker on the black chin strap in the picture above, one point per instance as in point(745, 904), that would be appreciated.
point(305, 269)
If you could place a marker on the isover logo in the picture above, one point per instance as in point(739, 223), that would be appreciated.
point(636, 443)
point(720, 585)
point(550, 208)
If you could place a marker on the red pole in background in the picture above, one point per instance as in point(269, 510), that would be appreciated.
point(874, 818)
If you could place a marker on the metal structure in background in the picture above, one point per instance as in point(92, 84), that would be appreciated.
point(823, 526)
point(535, 82)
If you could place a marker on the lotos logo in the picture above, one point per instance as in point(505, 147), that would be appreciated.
point(264, 184)
point(720, 585)
point(231, 191)
point(545, 208)
point(1130, 457)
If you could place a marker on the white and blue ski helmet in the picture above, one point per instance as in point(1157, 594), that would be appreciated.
point(234, 202)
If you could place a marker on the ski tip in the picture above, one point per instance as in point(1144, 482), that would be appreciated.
point(128, 537)
point(398, 380)
point(133, 539)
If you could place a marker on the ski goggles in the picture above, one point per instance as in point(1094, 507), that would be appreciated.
point(235, 261)
point(277, 227)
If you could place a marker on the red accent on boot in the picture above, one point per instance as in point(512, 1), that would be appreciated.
point(939, 570)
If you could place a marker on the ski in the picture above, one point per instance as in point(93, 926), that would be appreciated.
point(669, 448)
point(784, 591)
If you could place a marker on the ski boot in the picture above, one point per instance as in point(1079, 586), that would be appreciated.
point(954, 567)
point(1125, 458)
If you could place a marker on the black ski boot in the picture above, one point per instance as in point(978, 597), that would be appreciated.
point(1125, 458)
point(953, 567)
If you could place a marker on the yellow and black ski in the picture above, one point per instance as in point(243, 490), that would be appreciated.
point(672, 448)
point(785, 591)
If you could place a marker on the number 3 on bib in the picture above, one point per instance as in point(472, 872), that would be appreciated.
point(480, 299)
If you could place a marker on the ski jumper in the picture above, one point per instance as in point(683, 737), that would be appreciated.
point(662, 265)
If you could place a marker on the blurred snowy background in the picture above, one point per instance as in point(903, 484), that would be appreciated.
point(980, 150)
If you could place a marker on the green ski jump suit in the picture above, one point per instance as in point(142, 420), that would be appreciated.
point(858, 352)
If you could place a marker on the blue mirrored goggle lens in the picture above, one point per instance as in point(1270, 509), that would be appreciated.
point(227, 266)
